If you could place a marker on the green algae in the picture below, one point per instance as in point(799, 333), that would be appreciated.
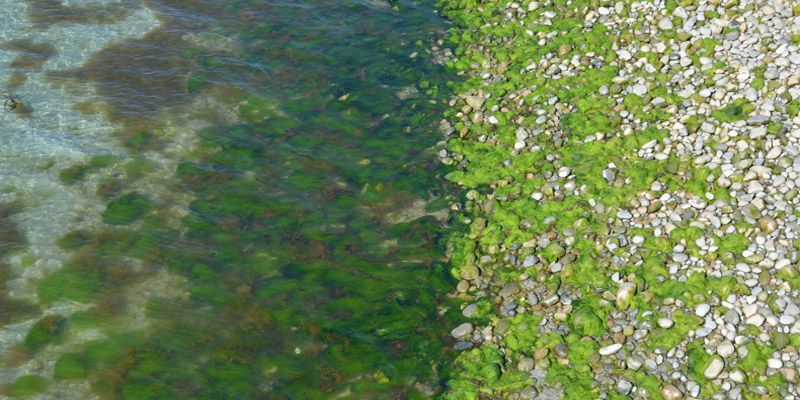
point(70, 366)
point(47, 330)
point(584, 320)
point(738, 110)
point(67, 285)
point(699, 360)
point(28, 385)
point(667, 339)
point(575, 377)
point(296, 285)
point(481, 368)
point(79, 171)
point(126, 209)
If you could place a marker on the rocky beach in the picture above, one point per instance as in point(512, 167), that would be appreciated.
point(630, 178)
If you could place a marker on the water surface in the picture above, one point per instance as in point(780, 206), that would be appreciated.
point(209, 200)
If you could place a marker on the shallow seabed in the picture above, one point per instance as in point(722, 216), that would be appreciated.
point(204, 199)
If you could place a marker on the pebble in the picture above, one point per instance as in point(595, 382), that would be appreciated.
point(714, 368)
point(665, 323)
point(670, 392)
point(725, 349)
point(610, 349)
point(462, 330)
point(639, 89)
point(624, 387)
point(774, 363)
point(475, 102)
point(736, 376)
point(469, 310)
point(767, 224)
point(702, 309)
point(634, 362)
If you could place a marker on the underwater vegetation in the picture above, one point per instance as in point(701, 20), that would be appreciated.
point(283, 277)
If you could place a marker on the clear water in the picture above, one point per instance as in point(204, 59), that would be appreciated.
point(221, 199)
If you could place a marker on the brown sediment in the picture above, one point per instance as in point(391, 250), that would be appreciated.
point(137, 79)
point(32, 54)
point(16, 80)
point(45, 13)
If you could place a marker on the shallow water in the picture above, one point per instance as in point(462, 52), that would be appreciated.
point(204, 199)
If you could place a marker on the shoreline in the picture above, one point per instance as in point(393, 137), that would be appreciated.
point(629, 172)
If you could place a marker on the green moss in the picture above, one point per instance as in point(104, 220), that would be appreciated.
point(196, 82)
point(793, 108)
point(734, 243)
point(79, 171)
point(47, 330)
point(138, 168)
point(126, 209)
point(576, 377)
point(553, 251)
point(257, 108)
point(480, 375)
point(28, 385)
point(585, 321)
point(521, 333)
point(738, 110)
point(69, 366)
point(667, 339)
point(755, 363)
point(67, 284)
point(141, 141)
point(699, 360)
point(74, 240)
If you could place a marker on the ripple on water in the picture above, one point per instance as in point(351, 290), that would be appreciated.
point(36, 146)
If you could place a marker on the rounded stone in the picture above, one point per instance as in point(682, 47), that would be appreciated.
point(671, 392)
point(462, 330)
point(714, 368)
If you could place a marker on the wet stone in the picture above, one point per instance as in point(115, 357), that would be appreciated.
point(714, 368)
point(462, 330)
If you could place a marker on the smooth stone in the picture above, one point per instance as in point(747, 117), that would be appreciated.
point(624, 387)
point(671, 392)
point(525, 364)
point(634, 362)
point(702, 309)
point(767, 224)
point(714, 368)
point(462, 330)
point(625, 295)
point(475, 102)
point(610, 349)
point(725, 349)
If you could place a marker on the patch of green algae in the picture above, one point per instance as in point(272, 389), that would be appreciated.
point(28, 385)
